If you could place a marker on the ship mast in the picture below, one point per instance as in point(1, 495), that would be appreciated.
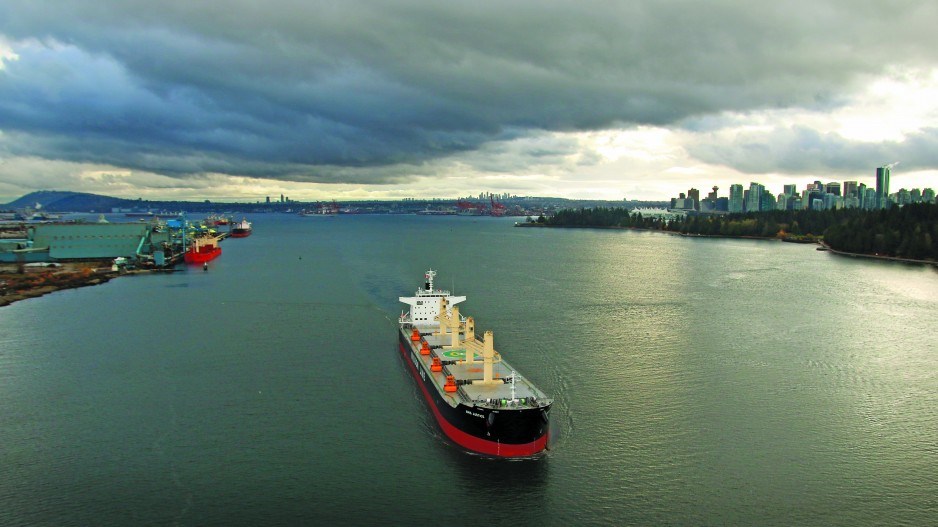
point(513, 398)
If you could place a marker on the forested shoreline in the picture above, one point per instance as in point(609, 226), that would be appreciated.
point(908, 232)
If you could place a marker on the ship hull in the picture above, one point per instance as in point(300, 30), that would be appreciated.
point(201, 257)
point(240, 233)
point(495, 432)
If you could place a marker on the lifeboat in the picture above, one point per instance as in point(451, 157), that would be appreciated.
point(450, 386)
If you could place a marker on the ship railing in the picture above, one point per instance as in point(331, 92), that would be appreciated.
point(530, 401)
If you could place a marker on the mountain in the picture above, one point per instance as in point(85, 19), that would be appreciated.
point(63, 201)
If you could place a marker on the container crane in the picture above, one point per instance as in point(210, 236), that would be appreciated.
point(498, 209)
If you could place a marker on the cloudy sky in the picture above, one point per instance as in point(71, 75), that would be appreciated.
point(241, 99)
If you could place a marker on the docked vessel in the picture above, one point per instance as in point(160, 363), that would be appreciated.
point(217, 221)
point(202, 250)
point(242, 229)
point(477, 398)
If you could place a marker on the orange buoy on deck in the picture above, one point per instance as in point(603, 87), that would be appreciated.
point(425, 349)
point(450, 385)
point(437, 365)
point(415, 335)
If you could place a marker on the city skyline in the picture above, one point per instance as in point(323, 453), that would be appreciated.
point(413, 98)
point(816, 195)
point(843, 188)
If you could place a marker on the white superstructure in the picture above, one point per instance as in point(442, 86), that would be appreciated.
point(425, 306)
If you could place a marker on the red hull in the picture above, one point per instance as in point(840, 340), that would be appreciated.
point(469, 441)
point(240, 234)
point(202, 257)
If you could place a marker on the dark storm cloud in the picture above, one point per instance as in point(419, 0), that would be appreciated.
point(321, 91)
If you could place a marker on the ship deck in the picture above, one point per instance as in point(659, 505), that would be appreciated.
point(494, 395)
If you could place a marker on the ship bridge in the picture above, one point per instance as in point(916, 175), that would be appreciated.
point(426, 304)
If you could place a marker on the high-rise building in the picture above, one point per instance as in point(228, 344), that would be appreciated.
point(791, 190)
point(813, 198)
point(882, 186)
point(682, 202)
point(713, 195)
point(832, 201)
point(811, 192)
point(869, 201)
point(736, 198)
point(781, 202)
point(754, 201)
point(928, 195)
point(904, 197)
point(850, 189)
point(710, 203)
point(694, 195)
point(861, 195)
point(767, 201)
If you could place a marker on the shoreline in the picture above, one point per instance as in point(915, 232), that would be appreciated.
point(16, 287)
point(823, 246)
point(36, 292)
point(672, 233)
point(820, 243)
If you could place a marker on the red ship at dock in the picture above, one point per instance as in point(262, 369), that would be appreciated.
point(202, 250)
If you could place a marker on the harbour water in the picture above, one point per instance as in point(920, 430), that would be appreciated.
point(696, 382)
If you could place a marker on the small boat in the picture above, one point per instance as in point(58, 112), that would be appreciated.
point(242, 229)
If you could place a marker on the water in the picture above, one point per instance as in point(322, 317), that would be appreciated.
point(697, 382)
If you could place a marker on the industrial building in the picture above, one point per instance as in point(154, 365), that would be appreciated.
point(89, 241)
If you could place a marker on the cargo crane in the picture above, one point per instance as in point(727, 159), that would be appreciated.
point(498, 209)
point(468, 207)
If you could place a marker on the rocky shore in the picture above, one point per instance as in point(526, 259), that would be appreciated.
point(36, 281)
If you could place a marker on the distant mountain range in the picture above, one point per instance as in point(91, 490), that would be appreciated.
point(63, 201)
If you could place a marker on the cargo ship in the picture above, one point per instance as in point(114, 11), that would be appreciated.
point(242, 229)
point(202, 250)
point(480, 402)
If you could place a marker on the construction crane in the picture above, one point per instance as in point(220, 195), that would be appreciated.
point(890, 165)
